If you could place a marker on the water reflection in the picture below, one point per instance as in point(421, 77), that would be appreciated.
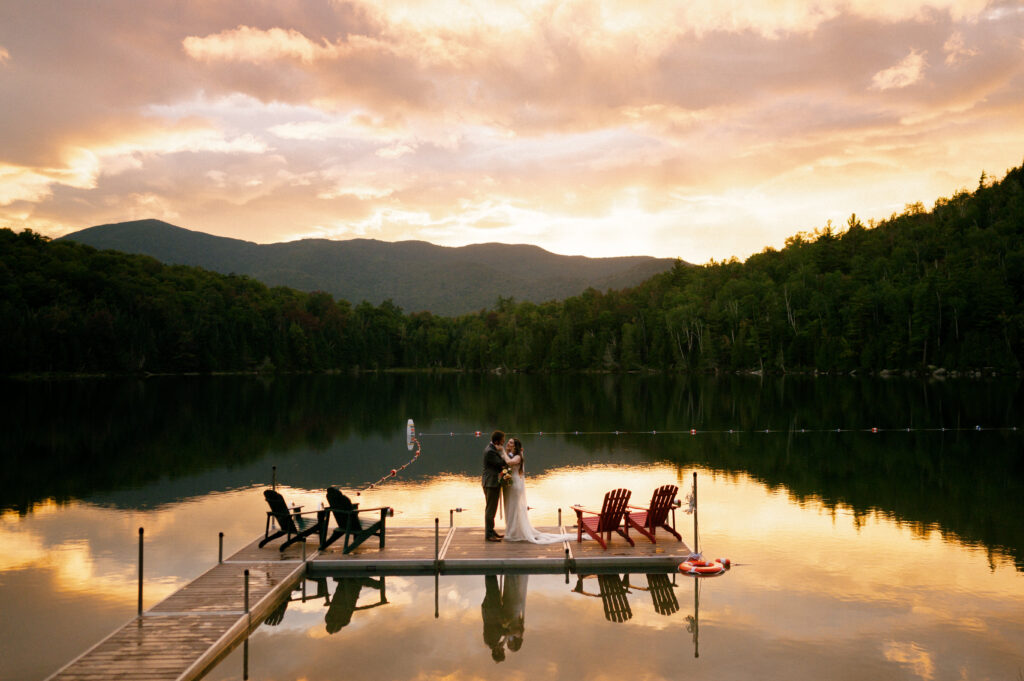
point(341, 604)
point(565, 633)
point(612, 589)
point(504, 613)
point(346, 594)
point(896, 553)
point(142, 444)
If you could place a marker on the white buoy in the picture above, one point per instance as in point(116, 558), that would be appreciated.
point(410, 433)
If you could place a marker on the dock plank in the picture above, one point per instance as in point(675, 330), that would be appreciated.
point(222, 588)
point(149, 648)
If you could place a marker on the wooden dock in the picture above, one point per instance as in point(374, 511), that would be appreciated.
point(185, 635)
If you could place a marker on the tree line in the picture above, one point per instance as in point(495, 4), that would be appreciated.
point(925, 289)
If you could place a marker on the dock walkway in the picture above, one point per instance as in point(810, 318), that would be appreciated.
point(186, 634)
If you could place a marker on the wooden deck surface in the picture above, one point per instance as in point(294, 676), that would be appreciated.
point(184, 635)
point(463, 549)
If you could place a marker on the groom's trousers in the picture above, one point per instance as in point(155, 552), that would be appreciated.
point(491, 495)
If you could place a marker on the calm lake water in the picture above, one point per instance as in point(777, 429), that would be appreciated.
point(896, 554)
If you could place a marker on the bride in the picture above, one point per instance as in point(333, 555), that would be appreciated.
point(517, 522)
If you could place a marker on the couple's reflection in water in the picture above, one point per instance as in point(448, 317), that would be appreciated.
point(504, 611)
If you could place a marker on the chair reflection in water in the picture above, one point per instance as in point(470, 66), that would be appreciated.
point(276, 616)
point(613, 590)
point(340, 607)
point(662, 592)
point(346, 596)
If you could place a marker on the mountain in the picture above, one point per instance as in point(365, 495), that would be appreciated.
point(415, 275)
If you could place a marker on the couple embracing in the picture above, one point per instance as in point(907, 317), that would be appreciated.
point(499, 455)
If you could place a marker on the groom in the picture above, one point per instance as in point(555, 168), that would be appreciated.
point(493, 464)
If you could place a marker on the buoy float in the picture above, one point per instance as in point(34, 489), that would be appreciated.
point(705, 568)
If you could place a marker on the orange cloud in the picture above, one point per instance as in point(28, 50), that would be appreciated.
point(700, 130)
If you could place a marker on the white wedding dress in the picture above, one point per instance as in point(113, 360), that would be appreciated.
point(517, 522)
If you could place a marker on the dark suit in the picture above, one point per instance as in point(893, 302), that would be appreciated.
point(493, 463)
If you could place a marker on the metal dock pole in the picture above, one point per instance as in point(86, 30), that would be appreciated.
point(140, 571)
point(696, 548)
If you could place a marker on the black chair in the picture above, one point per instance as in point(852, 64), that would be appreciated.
point(290, 522)
point(350, 525)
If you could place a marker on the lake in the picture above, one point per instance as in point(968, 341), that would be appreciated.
point(875, 523)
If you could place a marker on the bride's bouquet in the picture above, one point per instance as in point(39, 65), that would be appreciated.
point(505, 477)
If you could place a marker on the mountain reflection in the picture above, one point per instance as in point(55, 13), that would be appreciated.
point(143, 443)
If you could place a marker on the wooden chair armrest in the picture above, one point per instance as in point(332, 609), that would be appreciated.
point(357, 511)
point(390, 510)
point(580, 509)
point(292, 513)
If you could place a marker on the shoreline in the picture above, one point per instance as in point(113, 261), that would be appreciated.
point(931, 374)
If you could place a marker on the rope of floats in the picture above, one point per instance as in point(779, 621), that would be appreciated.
point(413, 443)
point(735, 431)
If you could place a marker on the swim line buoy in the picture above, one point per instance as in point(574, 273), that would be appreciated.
point(705, 567)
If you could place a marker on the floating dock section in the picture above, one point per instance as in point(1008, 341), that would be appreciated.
point(185, 635)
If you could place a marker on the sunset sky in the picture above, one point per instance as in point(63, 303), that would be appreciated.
point(699, 129)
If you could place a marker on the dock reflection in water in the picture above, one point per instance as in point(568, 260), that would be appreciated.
point(325, 622)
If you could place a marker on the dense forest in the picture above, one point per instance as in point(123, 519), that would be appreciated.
point(919, 291)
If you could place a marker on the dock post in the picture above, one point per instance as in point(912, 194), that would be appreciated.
point(220, 549)
point(437, 544)
point(451, 517)
point(245, 598)
point(559, 517)
point(140, 571)
point(696, 548)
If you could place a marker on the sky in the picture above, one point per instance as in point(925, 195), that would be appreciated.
point(704, 129)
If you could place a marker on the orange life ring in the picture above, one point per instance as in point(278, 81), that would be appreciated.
point(702, 567)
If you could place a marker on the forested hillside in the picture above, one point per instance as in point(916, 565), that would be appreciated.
point(415, 275)
point(925, 289)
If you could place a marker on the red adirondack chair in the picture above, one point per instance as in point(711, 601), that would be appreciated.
point(647, 520)
point(601, 525)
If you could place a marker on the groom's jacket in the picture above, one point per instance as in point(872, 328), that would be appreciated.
point(493, 463)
